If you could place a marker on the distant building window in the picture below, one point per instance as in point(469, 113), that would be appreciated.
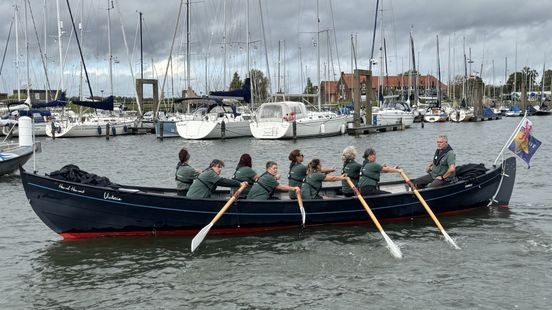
point(37, 96)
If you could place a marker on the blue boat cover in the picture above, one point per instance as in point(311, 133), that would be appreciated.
point(244, 92)
point(106, 104)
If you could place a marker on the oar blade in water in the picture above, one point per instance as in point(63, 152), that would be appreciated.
point(393, 248)
point(303, 215)
point(449, 240)
point(200, 236)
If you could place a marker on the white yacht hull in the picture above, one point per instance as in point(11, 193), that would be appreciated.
point(66, 129)
point(306, 128)
point(393, 117)
point(207, 129)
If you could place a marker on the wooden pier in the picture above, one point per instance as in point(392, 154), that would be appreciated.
point(362, 130)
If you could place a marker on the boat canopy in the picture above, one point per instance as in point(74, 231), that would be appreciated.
point(281, 110)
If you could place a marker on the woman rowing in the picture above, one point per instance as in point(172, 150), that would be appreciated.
point(206, 183)
point(267, 184)
point(313, 181)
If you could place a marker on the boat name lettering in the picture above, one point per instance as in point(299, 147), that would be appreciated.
point(111, 196)
point(71, 188)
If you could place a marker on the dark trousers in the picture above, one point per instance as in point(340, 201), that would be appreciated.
point(371, 190)
point(428, 181)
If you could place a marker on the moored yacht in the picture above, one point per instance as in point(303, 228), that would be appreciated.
point(219, 120)
point(274, 120)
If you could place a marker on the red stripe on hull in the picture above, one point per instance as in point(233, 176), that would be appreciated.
point(235, 230)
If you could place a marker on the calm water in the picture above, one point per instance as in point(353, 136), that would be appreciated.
point(504, 263)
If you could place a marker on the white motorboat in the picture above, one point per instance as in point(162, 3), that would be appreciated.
point(393, 113)
point(275, 120)
point(219, 121)
point(461, 115)
point(13, 155)
point(433, 115)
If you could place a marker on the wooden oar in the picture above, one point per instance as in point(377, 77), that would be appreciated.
point(205, 230)
point(393, 248)
point(428, 209)
point(300, 201)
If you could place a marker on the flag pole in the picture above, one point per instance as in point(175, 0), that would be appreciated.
point(511, 137)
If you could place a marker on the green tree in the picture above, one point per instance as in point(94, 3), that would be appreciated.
point(259, 82)
point(517, 77)
point(236, 81)
point(309, 88)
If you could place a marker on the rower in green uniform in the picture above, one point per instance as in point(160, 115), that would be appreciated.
point(313, 181)
point(206, 183)
point(297, 171)
point(351, 169)
point(267, 184)
point(368, 182)
point(184, 174)
point(244, 172)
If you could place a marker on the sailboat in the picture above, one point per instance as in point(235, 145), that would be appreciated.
point(96, 124)
point(435, 113)
point(221, 118)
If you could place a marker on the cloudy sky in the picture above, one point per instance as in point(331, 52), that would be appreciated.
point(491, 30)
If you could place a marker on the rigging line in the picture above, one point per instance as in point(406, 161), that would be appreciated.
point(170, 52)
point(335, 41)
point(80, 50)
point(39, 46)
point(6, 48)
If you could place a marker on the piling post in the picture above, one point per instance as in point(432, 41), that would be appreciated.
point(161, 130)
point(222, 130)
point(107, 131)
point(53, 126)
point(294, 128)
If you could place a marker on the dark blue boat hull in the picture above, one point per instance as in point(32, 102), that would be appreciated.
point(75, 210)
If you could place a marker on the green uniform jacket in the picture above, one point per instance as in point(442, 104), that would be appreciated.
point(245, 174)
point(448, 159)
point(352, 169)
point(264, 187)
point(206, 184)
point(312, 185)
point(369, 174)
point(296, 175)
point(185, 176)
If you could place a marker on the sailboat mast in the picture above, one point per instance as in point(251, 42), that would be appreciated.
point(415, 73)
point(188, 87)
point(438, 75)
point(374, 34)
point(266, 48)
point(141, 49)
point(109, 56)
point(17, 53)
point(319, 97)
point(81, 28)
point(380, 79)
point(60, 32)
point(27, 56)
point(46, 48)
point(224, 44)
